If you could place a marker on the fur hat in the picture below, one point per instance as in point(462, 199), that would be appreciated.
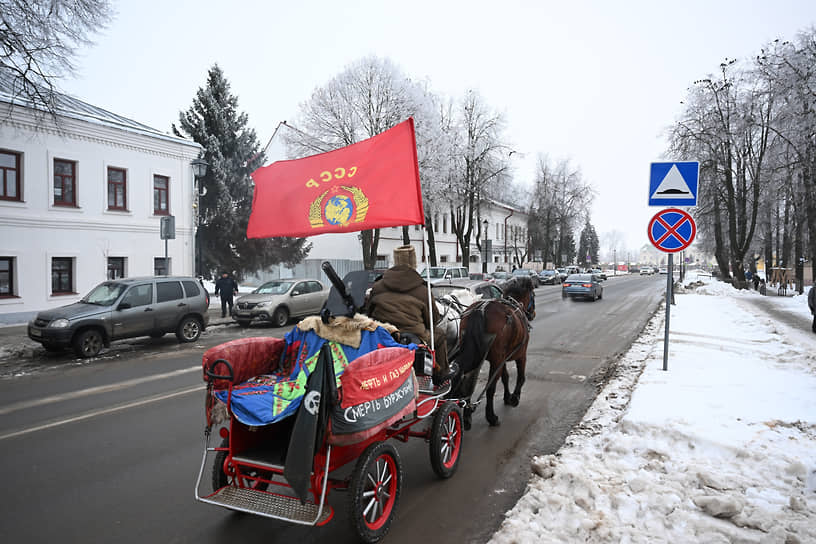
point(405, 255)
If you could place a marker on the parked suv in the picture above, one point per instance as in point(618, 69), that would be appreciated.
point(125, 308)
point(442, 274)
point(280, 300)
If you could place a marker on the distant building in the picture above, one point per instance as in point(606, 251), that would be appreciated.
point(507, 233)
point(81, 200)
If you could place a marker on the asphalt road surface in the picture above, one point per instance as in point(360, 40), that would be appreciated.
point(108, 450)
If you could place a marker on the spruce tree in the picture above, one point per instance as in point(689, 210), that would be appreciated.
point(232, 150)
point(589, 245)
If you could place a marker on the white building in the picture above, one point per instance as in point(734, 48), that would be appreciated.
point(82, 199)
point(507, 232)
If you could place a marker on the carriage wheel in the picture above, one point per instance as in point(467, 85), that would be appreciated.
point(446, 439)
point(221, 478)
point(375, 487)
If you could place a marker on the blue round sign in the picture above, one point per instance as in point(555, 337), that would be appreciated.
point(672, 230)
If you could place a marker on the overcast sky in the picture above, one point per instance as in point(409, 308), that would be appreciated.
point(596, 82)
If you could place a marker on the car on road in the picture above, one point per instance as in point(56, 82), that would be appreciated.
point(482, 276)
point(532, 274)
point(663, 270)
point(549, 277)
point(598, 272)
point(474, 288)
point(442, 274)
point(582, 286)
point(646, 271)
point(125, 308)
point(278, 301)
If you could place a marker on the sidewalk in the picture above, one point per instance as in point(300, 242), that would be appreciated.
point(718, 448)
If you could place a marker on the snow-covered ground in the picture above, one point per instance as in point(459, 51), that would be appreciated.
point(719, 448)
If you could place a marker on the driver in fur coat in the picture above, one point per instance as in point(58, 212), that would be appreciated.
point(400, 297)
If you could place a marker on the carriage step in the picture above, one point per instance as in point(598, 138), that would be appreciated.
point(426, 387)
point(269, 505)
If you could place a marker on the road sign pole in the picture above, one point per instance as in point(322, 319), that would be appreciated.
point(669, 277)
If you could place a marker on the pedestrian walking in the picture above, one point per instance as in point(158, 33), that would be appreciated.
point(226, 288)
point(812, 305)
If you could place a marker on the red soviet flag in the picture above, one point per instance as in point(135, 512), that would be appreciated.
point(367, 185)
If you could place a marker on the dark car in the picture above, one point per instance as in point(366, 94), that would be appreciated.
point(549, 277)
point(125, 308)
point(529, 273)
point(582, 285)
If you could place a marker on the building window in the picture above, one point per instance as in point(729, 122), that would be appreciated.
point(443, 258)
point(62, 275)
point(10, 176)
point(116, 268)
point(444, 223)
point(436, 223)
point(161, 190)
point(64, 183)
point(161, 266)
point(117, 189)
point(6, 276)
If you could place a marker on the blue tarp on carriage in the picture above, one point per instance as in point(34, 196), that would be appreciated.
point(268, 398)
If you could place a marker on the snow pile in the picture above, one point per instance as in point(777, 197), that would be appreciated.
point(720, 448)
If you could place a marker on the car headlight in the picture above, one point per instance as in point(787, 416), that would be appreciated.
point(264, 304)
point(59, 323)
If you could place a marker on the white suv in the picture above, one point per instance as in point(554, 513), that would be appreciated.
point(443, 274)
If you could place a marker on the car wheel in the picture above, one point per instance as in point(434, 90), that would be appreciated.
point(281, 317)
point(600, 295)
point(189, 329)
point(88, 343)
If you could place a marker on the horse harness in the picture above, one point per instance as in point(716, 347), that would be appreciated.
point(515, 308)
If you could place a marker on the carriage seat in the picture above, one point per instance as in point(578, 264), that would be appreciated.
point(248, 357)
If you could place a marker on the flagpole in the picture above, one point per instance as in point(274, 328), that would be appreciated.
point(428, 281)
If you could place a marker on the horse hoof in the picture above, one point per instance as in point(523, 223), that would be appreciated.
point(494, 421)
point(514, 400)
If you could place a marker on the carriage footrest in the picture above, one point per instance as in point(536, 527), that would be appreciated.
point(425, 384)
point(269, 505)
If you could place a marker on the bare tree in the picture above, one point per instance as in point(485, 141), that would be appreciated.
point(480, 159)
point(727, 121)
point(38, 42)
point(367, 98)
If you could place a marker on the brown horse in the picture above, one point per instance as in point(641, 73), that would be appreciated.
point(497, 330)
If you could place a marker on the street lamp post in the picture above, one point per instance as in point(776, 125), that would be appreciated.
point(199, 171)
point(484, 247)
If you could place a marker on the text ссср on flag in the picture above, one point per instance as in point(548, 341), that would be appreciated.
point(367, 185)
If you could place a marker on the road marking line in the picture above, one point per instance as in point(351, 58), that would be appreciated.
point(95, 413)
point(93, 390)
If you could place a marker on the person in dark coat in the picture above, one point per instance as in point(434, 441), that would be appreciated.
point(812, 305)
point(400, 298)
point(226, 288)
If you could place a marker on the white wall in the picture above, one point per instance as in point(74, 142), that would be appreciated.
point(34, 230)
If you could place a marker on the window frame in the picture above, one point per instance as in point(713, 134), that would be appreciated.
point(166, 191)
point(73, 184)
point(18, 170)
point(123, 183)
point(69, 273)
point(114, 261)
point(11, 292)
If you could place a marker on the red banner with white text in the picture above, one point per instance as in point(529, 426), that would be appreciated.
point(367, 185)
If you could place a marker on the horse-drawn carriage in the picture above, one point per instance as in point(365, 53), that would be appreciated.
point(292, 412)
point(329, 394)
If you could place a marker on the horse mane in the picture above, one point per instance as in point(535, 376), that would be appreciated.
point(517, 287)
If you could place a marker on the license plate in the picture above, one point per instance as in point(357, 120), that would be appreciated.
point(36, 332)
